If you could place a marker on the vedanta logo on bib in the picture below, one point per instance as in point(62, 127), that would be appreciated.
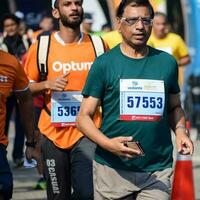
point(71, 66)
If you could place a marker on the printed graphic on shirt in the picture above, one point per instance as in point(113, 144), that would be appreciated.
point(3, 79)
point(71, 66)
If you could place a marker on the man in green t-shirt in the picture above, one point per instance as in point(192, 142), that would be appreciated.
point(137, 87)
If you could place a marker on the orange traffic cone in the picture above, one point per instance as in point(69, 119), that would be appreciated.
point(183, 185)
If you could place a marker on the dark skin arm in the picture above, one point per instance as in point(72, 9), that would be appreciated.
point(25, 102)
point(57, 84)
point(86, 125)
point(185, 60)
point(177, 121)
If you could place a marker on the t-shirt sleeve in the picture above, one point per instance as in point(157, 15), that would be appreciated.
point(94, 85)
point(182, 48)
point(112, 38)
point(106, 46)
point(150, 42)
point(174, 86)
point(30, 67)
point(21, 82)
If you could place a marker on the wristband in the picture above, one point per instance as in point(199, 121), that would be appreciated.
point(30, 144)
point(182, 127)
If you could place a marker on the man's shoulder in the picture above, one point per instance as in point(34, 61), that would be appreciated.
point(111, 34)
point(174, 36)
point(8, 59)
point(109, 54)
point(161, 54)
point(105, 61)
point(10, 63)
point(35, 45)
point(91, 37)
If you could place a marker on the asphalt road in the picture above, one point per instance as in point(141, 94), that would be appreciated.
point(25, 179)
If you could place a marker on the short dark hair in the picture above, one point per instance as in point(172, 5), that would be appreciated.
point(10, 16)
point(124, 3)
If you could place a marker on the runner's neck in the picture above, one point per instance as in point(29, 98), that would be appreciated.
point(71, 36)
point(133, 52)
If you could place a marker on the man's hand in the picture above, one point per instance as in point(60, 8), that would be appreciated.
point(57, 84)
point(118, 148)
point(29, 153)
point(38, 157)
point(184, 144)
point(34, 153)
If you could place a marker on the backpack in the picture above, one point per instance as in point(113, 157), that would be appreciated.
point(43, 52)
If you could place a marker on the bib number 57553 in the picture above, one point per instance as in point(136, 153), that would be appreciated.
point(145, 102)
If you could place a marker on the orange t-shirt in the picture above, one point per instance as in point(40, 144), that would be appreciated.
point(76, 58)
point(12, 78)
point(34, 35)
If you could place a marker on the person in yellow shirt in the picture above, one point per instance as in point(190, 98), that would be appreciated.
point(169, 42)
point(112, 38)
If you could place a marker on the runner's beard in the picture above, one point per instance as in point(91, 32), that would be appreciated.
point(69, 23)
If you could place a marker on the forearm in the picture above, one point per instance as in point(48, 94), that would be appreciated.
point(184, 61)
point(38, 88)
point(177, 118)
point(86, 125)
point(27, 115)
point(183, 142)
point(57, 84)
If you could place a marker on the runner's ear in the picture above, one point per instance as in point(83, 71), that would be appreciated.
point(118, 24)
point(56, 14)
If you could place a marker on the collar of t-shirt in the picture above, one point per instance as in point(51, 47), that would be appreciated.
point(62, 42)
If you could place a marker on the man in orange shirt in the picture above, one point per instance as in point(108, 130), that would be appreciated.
point(67, 155)
point(13, 78)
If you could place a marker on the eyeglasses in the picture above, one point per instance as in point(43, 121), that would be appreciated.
point(135, 20)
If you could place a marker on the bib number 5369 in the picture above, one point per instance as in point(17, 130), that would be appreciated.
point(67, 111)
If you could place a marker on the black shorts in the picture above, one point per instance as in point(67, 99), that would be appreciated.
point(6, 179)
point(68, 168)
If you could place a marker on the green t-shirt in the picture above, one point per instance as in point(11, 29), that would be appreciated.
point(103, 82)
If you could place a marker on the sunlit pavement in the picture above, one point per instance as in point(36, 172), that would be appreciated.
point(25, 179)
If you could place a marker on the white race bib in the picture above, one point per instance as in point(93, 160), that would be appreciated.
point(141, 100)
point(64, 108)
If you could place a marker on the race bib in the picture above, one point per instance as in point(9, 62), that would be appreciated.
point(141, 100)
point(64, 108)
